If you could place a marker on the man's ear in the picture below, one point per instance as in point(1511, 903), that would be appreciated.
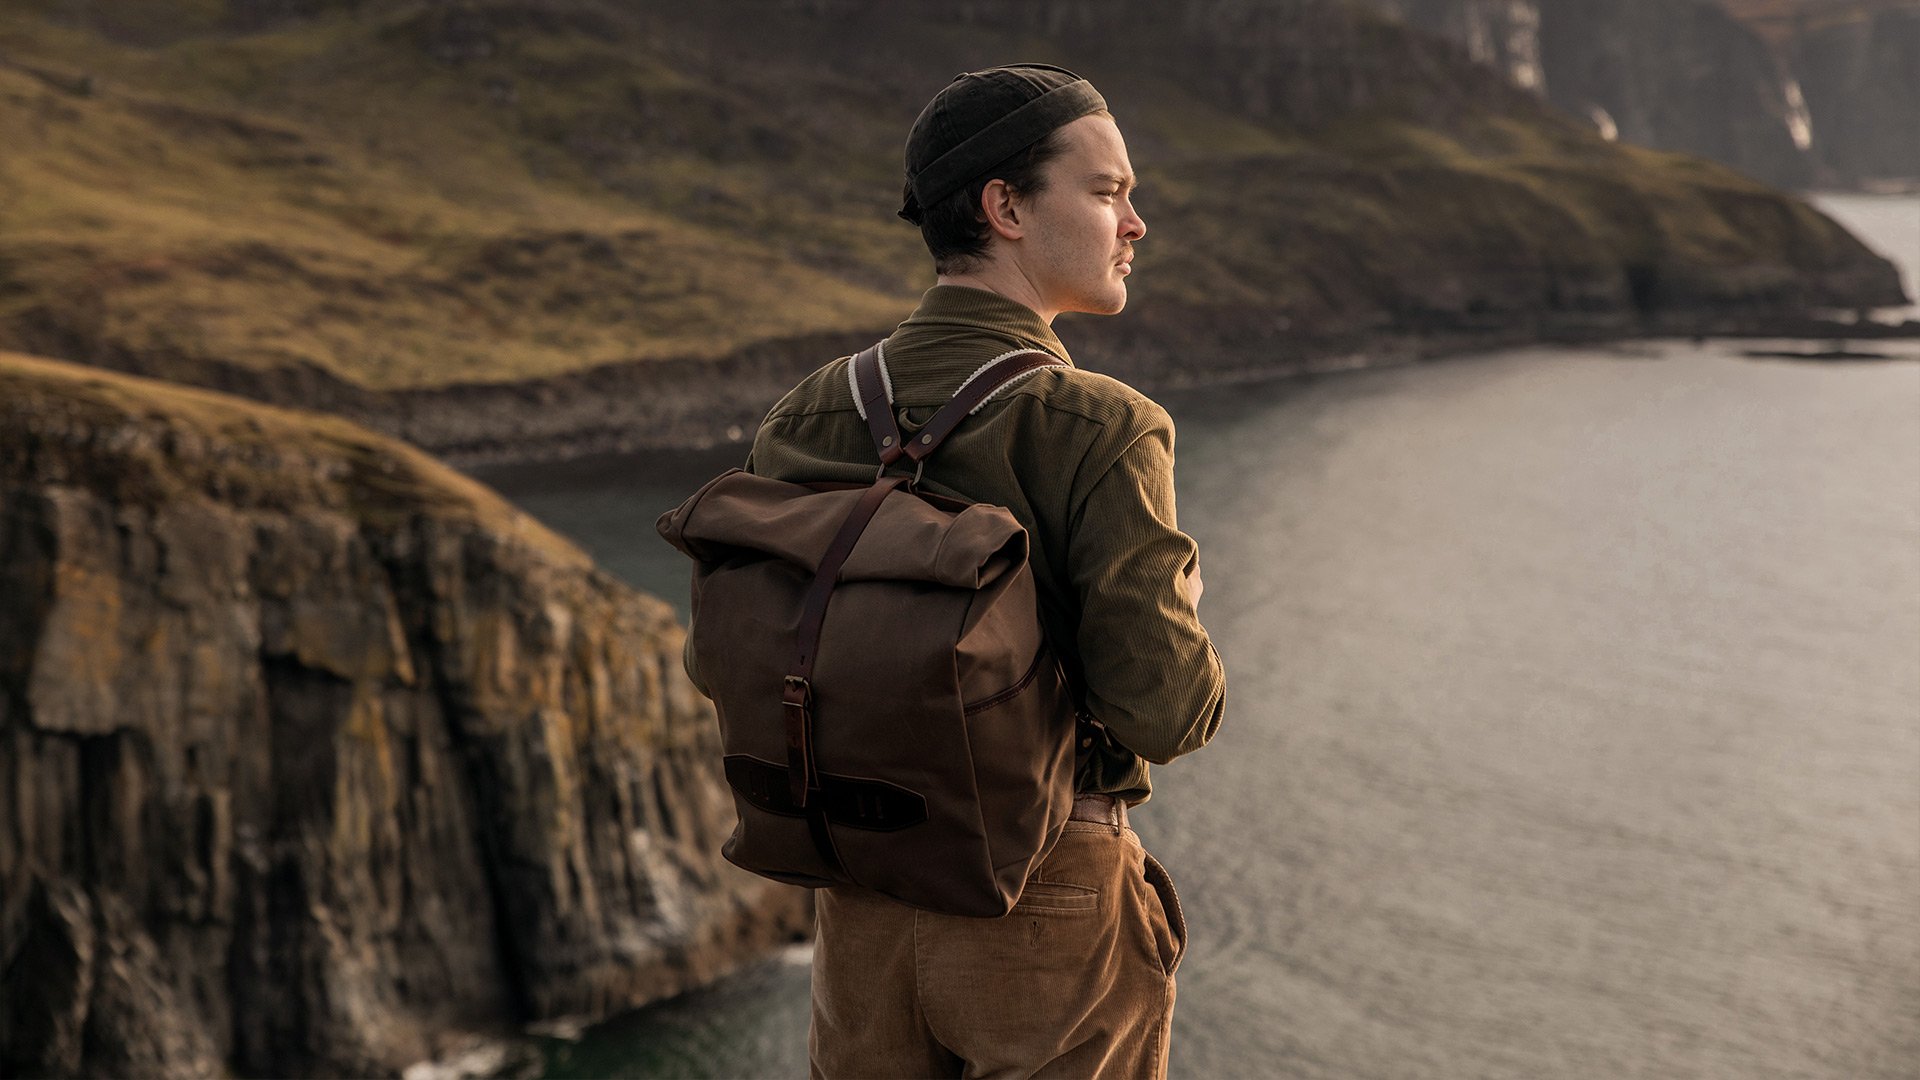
point(999, 207)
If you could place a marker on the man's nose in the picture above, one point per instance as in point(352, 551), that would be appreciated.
point(1132, 227)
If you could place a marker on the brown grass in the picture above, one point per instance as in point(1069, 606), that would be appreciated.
point(151, 441)
point(412, 195)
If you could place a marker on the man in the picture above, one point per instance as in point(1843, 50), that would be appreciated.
point(1020, 183)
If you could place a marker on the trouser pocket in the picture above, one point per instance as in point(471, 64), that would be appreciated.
point(1176, 920)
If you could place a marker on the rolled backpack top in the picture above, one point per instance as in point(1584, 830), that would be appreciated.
point(890, 711)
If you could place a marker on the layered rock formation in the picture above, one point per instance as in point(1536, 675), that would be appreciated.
point(1861, 75)
point(314, 754)
point(1796, 92)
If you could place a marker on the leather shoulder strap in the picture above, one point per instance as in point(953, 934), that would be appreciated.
point(797, 691)
point(970, 395)
point(877, 404)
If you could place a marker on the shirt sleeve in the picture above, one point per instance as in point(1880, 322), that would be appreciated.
point(1152, 674)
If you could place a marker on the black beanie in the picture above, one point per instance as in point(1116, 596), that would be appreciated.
point(983, 118)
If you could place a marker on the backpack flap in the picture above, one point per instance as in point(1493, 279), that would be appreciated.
point(932, 744)
point(740, 516)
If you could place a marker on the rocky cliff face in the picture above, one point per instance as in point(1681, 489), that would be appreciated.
point(1502, 34)
point(1795, 92)
point(316, 753)
point(1861, 76)
point(1673, 75)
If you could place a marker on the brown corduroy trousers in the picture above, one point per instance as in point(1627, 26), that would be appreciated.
point(1075, 981)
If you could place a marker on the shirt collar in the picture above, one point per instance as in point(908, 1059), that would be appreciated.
point(953, 333)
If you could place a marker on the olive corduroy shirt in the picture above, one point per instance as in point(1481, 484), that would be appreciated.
point(1085, 463)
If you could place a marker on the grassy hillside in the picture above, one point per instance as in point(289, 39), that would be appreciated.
point(169, 443)
point(395, 194)
point(325, 194)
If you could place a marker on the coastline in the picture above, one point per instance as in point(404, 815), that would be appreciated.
point(702, 404)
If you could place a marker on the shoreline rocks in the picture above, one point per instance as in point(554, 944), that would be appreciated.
point(624, 408)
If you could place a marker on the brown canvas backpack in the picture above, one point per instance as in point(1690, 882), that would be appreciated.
point(891, 713)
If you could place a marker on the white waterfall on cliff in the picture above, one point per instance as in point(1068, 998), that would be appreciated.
point(1603, 121)
point(1505, 35)
point(1799, 120)
point(1523, 46)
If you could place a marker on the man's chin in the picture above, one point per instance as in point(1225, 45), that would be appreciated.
point(1112, 303)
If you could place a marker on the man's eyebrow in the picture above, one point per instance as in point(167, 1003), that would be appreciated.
point(1128, 182)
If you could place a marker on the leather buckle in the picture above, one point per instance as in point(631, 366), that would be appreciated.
point(919, 466)
point(805, 700)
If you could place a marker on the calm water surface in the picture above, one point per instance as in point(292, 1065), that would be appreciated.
point(1890, 225)
point(1573, 725)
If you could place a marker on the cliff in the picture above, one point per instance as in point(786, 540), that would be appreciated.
point(1860, 70)
point(529, 228)
point(1798, 93)
point(318, 755)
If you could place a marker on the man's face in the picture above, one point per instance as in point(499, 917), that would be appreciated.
point(1082, 226)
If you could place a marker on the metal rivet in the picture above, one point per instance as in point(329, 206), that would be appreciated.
point(886, 440)
point(1086, 742)
point(926, 438)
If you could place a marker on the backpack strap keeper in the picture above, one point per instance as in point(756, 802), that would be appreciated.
point(797, 698)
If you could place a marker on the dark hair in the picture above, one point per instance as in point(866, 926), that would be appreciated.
point(955, 232)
